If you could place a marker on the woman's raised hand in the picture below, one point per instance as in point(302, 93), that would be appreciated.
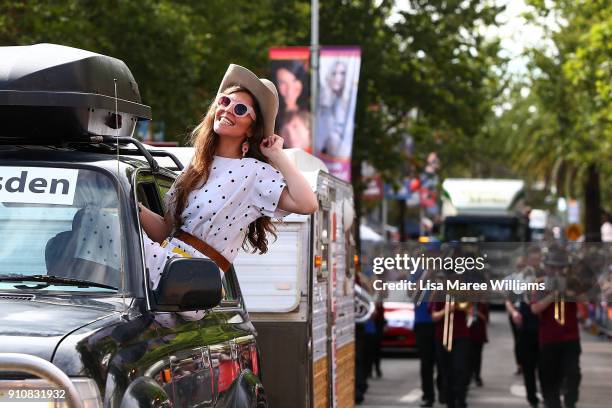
point(271, 146)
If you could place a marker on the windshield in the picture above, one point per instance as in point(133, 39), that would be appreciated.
point(397, 296)
point(59, 222)
point(484, 231)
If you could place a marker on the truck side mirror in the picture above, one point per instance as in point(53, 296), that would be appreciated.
point(188, 284)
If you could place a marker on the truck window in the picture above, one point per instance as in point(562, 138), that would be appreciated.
point(485, 231)
point(163, 186)
point(68, 223)
point(146, 193)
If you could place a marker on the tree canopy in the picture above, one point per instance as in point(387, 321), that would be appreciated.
point(432, 58)
point(560, 120)
point(428, 70)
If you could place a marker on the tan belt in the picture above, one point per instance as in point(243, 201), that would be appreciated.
point(204, 248)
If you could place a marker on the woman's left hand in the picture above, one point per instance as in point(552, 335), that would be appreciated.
point(271, 145)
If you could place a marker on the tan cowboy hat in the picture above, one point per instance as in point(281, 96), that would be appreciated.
point(262, 89)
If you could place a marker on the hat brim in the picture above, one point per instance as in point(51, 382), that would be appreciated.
point(262, 89)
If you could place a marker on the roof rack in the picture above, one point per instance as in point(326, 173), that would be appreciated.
point(95, 141)
point(110, 140)
point(156, 153)
point(139, 151)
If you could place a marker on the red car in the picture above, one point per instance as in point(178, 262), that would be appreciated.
point(398, 334)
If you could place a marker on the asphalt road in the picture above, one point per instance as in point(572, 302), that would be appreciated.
point(400, 384)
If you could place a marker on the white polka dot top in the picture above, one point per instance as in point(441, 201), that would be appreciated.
point(238, 191)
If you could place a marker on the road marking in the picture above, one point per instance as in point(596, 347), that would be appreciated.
point(518, 390)
point(391, 405)
point(496, 401)
point(412, 396)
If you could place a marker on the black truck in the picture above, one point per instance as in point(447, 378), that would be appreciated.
point(80, 323)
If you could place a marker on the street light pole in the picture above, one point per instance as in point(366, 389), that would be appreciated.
point(314, 73)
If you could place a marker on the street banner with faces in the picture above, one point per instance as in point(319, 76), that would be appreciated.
point(290, 72)
point(337, 100)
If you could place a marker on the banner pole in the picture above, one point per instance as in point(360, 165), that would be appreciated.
point(314, 73)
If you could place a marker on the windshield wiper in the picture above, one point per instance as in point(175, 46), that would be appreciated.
point(52, 279)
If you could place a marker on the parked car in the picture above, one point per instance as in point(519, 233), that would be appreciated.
point(79, 319)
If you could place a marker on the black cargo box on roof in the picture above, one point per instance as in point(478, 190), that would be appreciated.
point(51, 93)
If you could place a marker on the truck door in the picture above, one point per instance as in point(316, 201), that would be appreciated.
point(190, 370)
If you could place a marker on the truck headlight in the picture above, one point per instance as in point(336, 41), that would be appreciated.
point(38, 393)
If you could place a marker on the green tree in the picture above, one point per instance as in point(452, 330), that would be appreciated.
point(177, 51)
point(572, 86)
point(430, 59)
point(452, 70)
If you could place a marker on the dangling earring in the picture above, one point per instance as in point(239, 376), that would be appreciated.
point(245, 147)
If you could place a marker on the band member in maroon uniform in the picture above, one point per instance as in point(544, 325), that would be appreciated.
point(559, 337)
point(452, 346)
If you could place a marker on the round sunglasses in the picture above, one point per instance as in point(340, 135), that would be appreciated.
point(240, 109)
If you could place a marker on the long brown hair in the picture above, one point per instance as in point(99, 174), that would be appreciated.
point(205, 141)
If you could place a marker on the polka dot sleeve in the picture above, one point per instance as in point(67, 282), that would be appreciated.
point(269, 185)
point(169, 196)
